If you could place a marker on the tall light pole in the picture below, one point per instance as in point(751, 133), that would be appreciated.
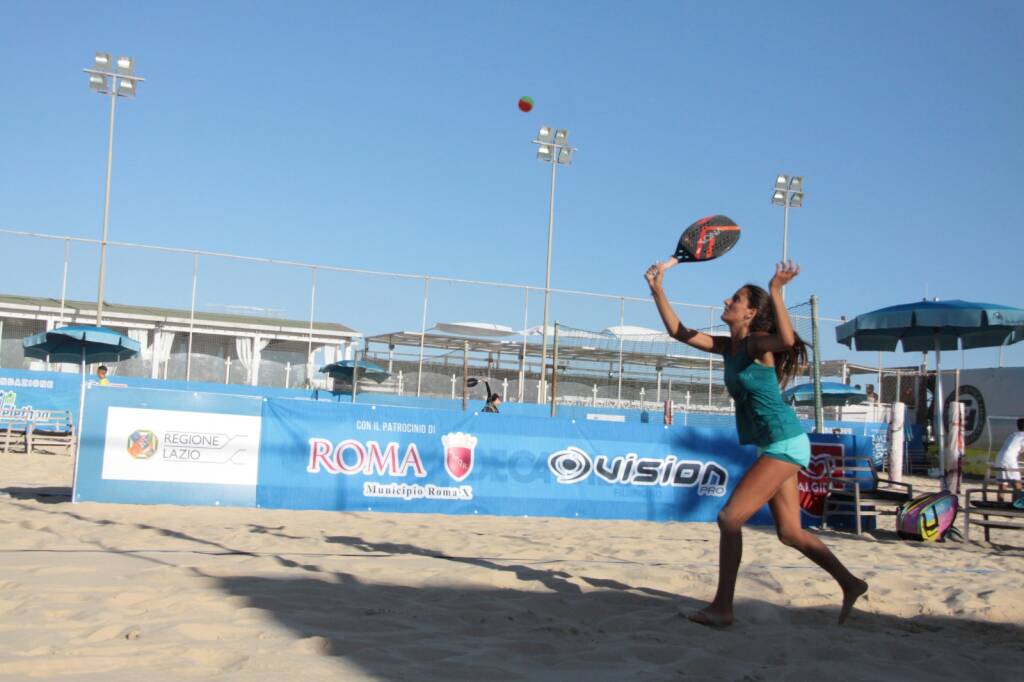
point(553, 147)
point(116, 79)
point(789, 192)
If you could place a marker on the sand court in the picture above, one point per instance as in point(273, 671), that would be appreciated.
point(108, 592)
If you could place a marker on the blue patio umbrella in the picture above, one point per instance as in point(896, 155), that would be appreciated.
point(346, 369)
point(938, 326)
point(80, 344)
point(352, 370)
point(833, 394)
point(83, 343)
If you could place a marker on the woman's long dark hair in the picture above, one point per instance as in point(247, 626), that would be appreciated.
point(787, 363)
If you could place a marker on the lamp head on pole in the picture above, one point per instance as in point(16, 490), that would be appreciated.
point(125, 88)
point(125, 65)
point(99, 83)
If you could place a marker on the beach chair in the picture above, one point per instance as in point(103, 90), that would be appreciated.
point(13, 430)
point(983, 508)
point(51, 432)
point(856, 490)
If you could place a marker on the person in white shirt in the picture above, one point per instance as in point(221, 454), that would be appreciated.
point(1008, 462)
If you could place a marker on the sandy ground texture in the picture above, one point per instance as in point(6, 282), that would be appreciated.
point(129, 592)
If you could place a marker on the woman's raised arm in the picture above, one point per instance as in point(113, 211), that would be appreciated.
point(675, 328)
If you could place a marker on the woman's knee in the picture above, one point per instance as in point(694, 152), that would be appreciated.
point(729, 522)
point(791, 537)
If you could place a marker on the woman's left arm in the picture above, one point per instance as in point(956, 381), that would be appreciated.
point(784, 337)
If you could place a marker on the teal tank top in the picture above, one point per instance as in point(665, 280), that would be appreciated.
point(761, 416)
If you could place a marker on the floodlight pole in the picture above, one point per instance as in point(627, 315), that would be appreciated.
point(557, 144)
point(785, 232)
point(547, 275)
point(106, 207)
point(113, 80)
point(788, 188)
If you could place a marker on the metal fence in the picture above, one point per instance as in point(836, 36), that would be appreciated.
point(372, 302)
point(627, 367)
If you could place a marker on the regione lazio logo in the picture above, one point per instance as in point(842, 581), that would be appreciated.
point(458, 454)
point(142, 444)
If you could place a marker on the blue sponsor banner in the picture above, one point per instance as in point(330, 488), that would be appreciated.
point(23, 392)
point(321, 455)
point(147, 446)
point(183, 447)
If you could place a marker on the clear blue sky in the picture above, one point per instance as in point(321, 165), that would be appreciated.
point(385, 135)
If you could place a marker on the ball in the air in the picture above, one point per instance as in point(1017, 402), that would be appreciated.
point(525, 104)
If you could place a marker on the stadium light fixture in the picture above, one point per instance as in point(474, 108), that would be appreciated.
point(100, 84)
point(126, 88)
point(116, 80)
point(553, 147)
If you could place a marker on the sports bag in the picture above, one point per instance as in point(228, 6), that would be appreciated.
point(927, 517)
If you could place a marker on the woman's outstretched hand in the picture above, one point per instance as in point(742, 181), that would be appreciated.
point(785, 272)
point(653, 276)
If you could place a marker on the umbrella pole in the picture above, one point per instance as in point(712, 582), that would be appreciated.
point(78, 427)
point(939, 426)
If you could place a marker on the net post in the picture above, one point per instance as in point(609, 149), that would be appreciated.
point(465, 376)
point(819, 418)
point(554, 371)
point(355, 374)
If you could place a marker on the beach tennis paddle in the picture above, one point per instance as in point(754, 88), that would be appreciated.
point(706, 239)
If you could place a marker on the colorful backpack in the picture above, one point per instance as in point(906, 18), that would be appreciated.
point(927, 517)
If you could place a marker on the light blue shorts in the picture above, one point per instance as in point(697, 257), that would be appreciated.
point(795, 450)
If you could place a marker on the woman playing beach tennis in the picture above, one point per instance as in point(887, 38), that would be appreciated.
point(761, 353)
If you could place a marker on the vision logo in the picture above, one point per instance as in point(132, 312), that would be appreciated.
point(142, 444)
point(574, 465)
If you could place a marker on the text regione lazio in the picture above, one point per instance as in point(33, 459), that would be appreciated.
point(151, 446)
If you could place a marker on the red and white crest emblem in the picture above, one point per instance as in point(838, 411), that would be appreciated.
point(458, 454)
point(812, 484)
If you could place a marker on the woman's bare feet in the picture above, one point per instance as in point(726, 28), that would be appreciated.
point(712, 617)
point(850, 596)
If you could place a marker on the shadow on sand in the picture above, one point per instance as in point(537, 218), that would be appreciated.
point(555, 624)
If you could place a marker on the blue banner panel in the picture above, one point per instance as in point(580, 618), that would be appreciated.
point(321, 455)
point(146, 446)
point(23, 392)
